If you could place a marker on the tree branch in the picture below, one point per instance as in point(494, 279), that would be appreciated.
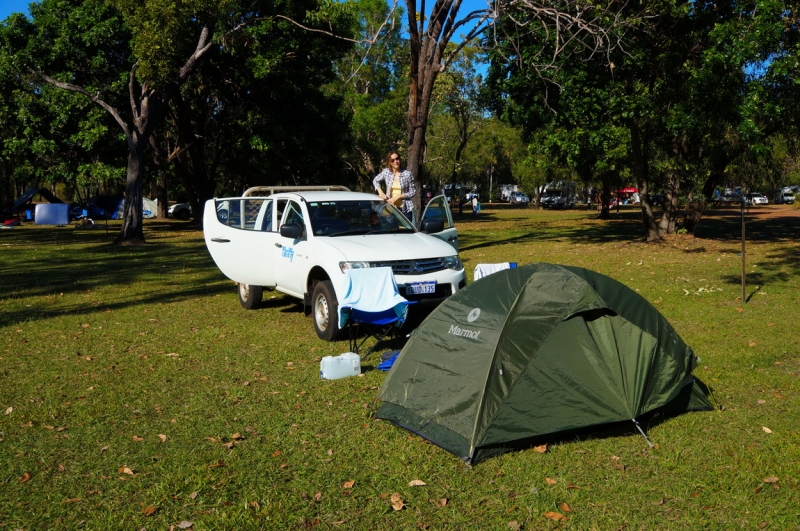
point(94, 97)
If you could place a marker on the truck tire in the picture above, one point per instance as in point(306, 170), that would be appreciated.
point(325, 311)
point(250, 296)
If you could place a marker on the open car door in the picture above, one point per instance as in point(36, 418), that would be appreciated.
point(437, 209)
point(240, 237)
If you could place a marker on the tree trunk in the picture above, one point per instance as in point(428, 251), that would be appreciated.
point(693, 214)
point(669, 213)
point(132, 231)
point(640, 171)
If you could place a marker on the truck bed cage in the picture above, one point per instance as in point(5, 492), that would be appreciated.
point(260, 190)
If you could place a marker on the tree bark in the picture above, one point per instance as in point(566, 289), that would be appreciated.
point(427, 60)
point(640, 170)
point(669, 212)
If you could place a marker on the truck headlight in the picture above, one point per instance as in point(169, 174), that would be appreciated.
point(344, 266)
point(453, 262)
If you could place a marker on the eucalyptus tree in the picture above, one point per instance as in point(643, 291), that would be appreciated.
point(260, 108)
point(566, 23)
point(121, 53)
point(49, 136)
point(372, 79)
point(675, 97)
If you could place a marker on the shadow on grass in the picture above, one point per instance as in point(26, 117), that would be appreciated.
point(52, 262)
point(623, 226)
point(780, 265)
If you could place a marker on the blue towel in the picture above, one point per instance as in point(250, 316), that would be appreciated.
point(371, 289)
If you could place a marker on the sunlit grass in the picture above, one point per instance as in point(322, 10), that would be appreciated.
point(136, 393)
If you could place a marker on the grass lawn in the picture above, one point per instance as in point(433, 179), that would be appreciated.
point(135, 393)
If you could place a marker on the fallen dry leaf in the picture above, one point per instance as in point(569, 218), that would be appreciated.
point(443, 502)
point(276, 453)
point(349, 484)
point(193, 495)
point(555, 516)
point(185, 524)
point(317, 496)
point(416, 483)
point(397, 502)
point(550, 481)
point(771, 479)
point(136, 438)
point(766, 430)
point(149, 510)
point(24, 477)
point(740, 310)
point(237, 436)
point(540, 449)
point(126, 470)
point(513, 525)
point(162, 437)
point(565, 507)
point(9, 410)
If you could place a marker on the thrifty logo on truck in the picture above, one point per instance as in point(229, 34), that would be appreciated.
point(463, 332)
point(287, 252)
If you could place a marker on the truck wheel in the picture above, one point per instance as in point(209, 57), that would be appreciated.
point(250, 296)
point(325, 311)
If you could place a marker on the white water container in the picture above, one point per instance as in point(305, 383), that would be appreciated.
point(341, 366)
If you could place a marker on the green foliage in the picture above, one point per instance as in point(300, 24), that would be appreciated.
point(46, 134)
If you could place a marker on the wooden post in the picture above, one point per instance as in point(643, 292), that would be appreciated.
point(743, 254)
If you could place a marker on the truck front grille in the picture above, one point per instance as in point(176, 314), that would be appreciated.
point(412, 267)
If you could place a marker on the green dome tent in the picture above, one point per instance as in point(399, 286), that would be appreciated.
point(532, 351)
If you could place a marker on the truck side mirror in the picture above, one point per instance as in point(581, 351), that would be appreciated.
point(432, 227)
point(291, 230)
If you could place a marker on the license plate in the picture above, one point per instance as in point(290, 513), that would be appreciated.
point(421, 287)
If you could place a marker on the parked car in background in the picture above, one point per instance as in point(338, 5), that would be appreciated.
point(786, 197)
point(519, 198)
point(757, 199)
point(182, 211)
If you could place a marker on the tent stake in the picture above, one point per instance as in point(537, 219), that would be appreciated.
point(646, 438)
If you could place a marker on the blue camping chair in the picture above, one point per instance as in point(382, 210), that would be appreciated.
point(373, 305)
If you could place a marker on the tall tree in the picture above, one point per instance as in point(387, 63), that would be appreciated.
point(568, 22)
point(167, 42)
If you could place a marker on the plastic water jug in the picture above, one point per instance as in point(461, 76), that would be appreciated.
point(335, 367)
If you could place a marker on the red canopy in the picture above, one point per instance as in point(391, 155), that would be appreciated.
point(628, 190)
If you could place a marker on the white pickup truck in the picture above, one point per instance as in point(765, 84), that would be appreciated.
point(300, 240)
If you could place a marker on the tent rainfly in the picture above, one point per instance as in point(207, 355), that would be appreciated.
point(533, 351)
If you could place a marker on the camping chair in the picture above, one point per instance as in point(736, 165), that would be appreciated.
point(372, 304)
point(482, 270)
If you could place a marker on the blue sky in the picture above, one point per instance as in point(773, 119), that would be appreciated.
point(13, 6)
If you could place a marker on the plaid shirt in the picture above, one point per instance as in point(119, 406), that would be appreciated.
point(407, 186)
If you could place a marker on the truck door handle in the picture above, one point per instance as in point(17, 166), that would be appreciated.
point(279, 246)
point(220, 240)
point(452, 239)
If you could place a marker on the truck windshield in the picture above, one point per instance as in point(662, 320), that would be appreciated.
point(348, 218)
